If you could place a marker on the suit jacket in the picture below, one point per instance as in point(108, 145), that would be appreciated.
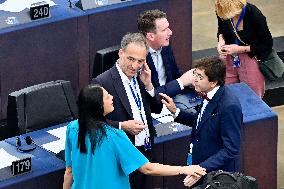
point(216, 141)
point(111, 81)
point(171, 87)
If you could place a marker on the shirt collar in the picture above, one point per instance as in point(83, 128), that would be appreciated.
point(123, 77)
point(153, 51)
point(211, 93)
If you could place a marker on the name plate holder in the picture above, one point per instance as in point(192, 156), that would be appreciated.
point(39, 10)
point(90, 4)
point(21, 166)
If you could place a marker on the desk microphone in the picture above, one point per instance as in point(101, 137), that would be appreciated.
point(70, 4)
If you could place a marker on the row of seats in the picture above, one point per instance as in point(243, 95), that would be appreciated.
point(50, 103)
point(38, 107)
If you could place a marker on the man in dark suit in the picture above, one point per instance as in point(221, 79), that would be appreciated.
point(166, 77)
point(129, 82)
point(215, 139)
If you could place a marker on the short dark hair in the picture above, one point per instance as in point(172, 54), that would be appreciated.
point(214, 68)
point(146, 20)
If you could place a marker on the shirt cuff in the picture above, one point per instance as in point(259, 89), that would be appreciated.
point(152, 92)
point(176, 114)
point(180, 84)
point(119, 125)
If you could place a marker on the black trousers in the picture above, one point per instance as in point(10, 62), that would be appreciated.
point(139, 180)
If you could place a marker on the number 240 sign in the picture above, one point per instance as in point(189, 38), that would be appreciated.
point(39, 10)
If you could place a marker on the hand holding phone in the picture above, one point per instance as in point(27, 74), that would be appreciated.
point(168, 101)
point(223, 48)
point(164, 98)
point(140, 70)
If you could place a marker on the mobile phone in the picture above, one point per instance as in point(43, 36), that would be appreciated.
point(162, 97)
point(140, 70)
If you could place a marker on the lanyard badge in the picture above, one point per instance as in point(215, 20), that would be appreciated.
point(236, 61)
point(189, 155)
point(147, 143)
point(236, 58)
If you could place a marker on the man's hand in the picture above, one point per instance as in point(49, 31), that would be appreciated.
point(190, 180)
point(145, 77)
point(132, 126)
point(187, 78)
point(168, 101)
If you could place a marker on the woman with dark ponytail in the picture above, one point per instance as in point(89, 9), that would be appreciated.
point(99, 156)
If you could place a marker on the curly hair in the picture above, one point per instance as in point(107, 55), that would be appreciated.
point(214, 68)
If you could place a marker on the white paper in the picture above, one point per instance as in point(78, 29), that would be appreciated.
point(6, 159)
point(55, 146)
point(59, 132)
point(163, 117)
point(58, 145)
point(166, 119)
point(20, 5)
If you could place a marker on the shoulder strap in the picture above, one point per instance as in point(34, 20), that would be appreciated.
point(236, 33)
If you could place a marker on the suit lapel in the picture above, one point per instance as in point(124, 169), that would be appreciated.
point(166, 64)
point(154, 72)
point(210, 108)
point(119, 88)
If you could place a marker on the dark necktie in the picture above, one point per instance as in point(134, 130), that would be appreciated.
point(204, 96)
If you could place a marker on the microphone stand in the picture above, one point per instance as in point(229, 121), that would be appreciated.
point(70, 4)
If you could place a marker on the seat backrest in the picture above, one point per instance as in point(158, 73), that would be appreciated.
point(104, 60)
point(40, 106)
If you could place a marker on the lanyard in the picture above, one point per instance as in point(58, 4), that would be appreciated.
point(147, 142)
point(239, 21)
point(136, 97)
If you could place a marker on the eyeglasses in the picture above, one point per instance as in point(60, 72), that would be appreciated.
point(197, 75)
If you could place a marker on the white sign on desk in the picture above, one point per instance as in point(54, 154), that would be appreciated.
point(20, 5)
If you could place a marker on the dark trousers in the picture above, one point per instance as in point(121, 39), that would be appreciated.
point(137, 179)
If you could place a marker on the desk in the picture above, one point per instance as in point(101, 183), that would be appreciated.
point(45, 168)
point(64, 46)
point(259, 138)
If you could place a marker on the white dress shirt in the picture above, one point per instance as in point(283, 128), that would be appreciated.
point(140, 138)
point(210, 95)
point(159, 65)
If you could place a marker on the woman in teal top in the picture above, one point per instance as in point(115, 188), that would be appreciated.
point(99, 156)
